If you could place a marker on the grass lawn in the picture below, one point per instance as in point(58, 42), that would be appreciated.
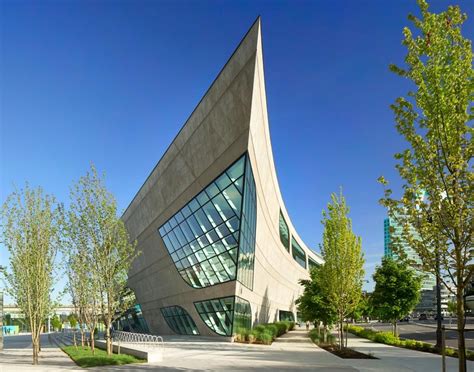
point(84, 357)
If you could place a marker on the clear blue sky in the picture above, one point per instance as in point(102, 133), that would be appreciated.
point(112, 82)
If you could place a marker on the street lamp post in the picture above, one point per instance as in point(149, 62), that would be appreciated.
point(439, 335)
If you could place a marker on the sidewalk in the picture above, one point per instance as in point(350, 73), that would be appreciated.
point(392, 358)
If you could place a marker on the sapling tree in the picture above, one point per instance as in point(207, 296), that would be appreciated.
point(342, 272)
point(435, 117)
point(32, 225)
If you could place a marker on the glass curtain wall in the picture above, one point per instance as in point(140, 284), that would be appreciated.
point(312, 263)
point(225, 314)
point(132, 320)
point(284, 233)
point(179, 320)
point(202, 238)
point(247, 230)
point(217, 314)
point(298, 253)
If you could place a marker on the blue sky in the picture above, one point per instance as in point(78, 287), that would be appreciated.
point(112, 82)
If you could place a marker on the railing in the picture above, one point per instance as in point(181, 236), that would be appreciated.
point(122, 337)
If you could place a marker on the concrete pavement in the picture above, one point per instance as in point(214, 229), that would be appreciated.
point(291, 352)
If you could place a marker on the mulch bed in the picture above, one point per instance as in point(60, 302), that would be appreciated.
point(346, 353)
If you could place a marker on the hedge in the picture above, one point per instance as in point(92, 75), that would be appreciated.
point(263, 333)
point(389, 339)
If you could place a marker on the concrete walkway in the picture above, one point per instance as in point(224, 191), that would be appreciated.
point(393, 358)
point(291, 352)
point(18, 351)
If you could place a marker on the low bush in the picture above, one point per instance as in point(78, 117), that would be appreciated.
point(265, 337)
point(282, 328)
point(386, 338)
point(319, 339)
point(263, 333)
point(273, 328)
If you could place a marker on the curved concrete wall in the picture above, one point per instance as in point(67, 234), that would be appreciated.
point(230, 120)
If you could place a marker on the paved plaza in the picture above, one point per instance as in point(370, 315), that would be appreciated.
point(291, 352)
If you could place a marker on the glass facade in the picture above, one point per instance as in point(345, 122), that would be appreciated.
point(217, 314)
point(284, 233)
point(298, 253)
point(224, 314)
point(132, 320)
point(312, 263)
point(179, 320)
point(247, 230)
point(202, 238)
point(286, 315)
point(242, 314)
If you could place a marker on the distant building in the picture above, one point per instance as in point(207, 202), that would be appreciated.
point(429, 280)
point(427, 302)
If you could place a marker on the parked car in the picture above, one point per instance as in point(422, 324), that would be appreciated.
point(406, 319)
point(422, 317)
point(436, 317)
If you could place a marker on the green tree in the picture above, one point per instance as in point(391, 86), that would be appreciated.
point(31, 231)
point(397, 290)
point(436, 119)
point(314, 304)
point(342, 272)
point(56, 323)
point(72, 320)
point(97, 232)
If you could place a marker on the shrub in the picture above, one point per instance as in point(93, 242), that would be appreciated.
point(282, 328)
point(251, 336)
point(265, 337)
point(260, 328)
point(386, 338)
point(273, 329)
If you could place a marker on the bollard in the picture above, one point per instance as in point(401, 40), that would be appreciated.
point(443, 349)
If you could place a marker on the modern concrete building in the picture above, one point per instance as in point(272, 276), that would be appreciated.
point(218, 249)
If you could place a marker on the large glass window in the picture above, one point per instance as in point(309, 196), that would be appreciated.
point(286, 315)
point(202, 238)
point(179, 320)
point(224, 314)
point(248, 228)
point(298, 253)
point(312, 263)
point(132, 320)
point(217, 314)
point(242, 315)
point(284, 233)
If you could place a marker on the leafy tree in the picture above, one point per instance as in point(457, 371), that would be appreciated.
point(105, 252)
point(314, 304)
point(397, 290)
point(31, 231)
point(342, 272)
point(72, 320)
point(56, 323)
point(363, 309)
point(436, 120)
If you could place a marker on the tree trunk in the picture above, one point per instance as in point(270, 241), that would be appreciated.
point(108, 340)
point(347, 331)
point(395, 331)
point(35, 342)
point(460, 326)
point(92, 342)
point(319, 328)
